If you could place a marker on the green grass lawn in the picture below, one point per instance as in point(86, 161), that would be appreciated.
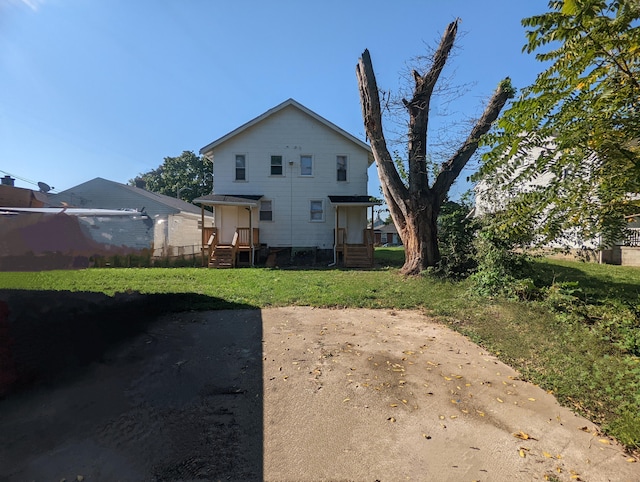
point(578, 343)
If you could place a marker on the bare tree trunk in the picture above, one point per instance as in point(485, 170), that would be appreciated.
point(415, 207)
point(420, 239)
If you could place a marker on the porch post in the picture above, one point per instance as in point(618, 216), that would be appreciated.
point(204, 241)
point(335, 236)
point(372, 221)
point(251, 253)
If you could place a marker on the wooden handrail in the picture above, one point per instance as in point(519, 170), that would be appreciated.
point(211, 245)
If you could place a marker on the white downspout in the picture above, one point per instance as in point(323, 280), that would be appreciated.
point(335, 240)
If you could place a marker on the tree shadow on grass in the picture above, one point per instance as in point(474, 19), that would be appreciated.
point(131, 387)
point(593, 287)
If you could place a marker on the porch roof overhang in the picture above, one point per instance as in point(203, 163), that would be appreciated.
point(354, 201)
point(247, 200)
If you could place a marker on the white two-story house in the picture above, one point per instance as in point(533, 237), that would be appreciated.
point(289, 183)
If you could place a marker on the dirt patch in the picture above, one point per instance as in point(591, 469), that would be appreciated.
point(299, 394)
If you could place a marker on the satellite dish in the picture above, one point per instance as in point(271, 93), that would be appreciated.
point(44, 187)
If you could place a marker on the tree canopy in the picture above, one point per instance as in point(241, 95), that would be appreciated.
point(572, 136)
point(188, 175)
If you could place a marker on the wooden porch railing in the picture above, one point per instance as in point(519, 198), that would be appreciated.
point(245, 238)
point(209, 240)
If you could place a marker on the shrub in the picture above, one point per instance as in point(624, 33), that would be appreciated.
point(456, 232)
point(502, 270)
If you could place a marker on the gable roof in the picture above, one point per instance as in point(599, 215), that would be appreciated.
point(170, 203)
point(289, 102)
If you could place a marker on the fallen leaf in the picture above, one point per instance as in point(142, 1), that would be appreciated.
point(346, 400)
point(448, 379)
point(394, 405)
point(521, 435)
point(631, 460)
point(522, 454)
point(499, 400)
point(603, 441)
point(428, 437)
point(391, 419)
point(547, 455)
point(532, 399)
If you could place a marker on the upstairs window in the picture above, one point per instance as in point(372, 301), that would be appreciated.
point(241, 167)
point(306, 166)
point(276, 165)
point(266, 211)
point(316, 211)
point(341, 168)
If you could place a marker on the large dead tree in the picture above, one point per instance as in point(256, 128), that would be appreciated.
point(414, 207)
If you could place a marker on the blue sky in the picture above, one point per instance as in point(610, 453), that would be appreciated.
point(109, 88)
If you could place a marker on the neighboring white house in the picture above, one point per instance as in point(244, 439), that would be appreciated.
point(289, 181)
point(175, 224)
point(489, 200)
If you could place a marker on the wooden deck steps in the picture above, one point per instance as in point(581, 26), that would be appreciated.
point(222, 257)
point(357, 256)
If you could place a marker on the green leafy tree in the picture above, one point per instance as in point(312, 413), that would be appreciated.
point(415, 205)
point(188, 175)
point(564, 157)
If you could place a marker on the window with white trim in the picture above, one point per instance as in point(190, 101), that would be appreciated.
point(341, 168)
point(316, 210)
point(276, 166)
point(266, 211)
point(241, 167)
point(306, 165)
